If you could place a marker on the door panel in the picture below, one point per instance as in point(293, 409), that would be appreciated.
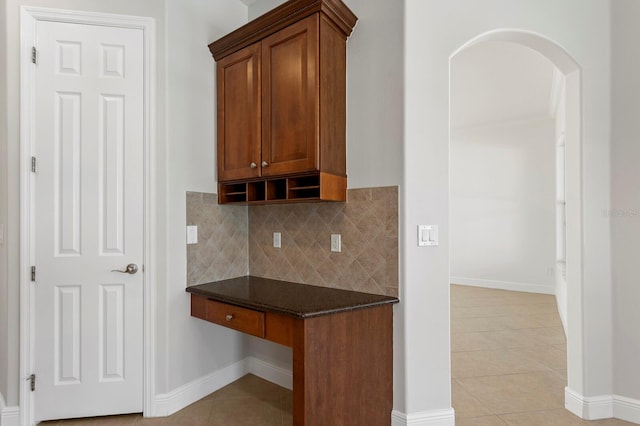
point(88, 220)
point(290, 99)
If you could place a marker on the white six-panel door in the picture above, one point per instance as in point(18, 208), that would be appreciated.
point(88, 214)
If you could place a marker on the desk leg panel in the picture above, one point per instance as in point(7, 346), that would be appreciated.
point(343, 369)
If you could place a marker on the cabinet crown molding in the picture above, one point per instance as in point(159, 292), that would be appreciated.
point(335, 11)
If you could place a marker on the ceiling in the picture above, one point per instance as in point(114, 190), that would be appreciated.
point(493, 82)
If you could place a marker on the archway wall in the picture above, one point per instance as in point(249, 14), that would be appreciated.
point(625, 197)
point(434, 31)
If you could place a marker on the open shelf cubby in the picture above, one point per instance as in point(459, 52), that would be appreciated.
point(276, 189)
point(233, 193)
point(298, 188)
point(303, 187)
point(256, 191)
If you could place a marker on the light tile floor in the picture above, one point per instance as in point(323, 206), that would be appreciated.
point(508, 368)
point(249, 401)
point(508, 360)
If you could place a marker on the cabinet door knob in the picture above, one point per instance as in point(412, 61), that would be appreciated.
point(264, 164)
point(253, 165)
point(229, 317)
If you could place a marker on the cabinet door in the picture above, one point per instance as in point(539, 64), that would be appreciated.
point(290, 99)
point(239, 114)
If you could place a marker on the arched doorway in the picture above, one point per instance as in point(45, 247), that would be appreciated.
point(569, 298)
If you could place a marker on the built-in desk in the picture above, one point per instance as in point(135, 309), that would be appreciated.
point(342, 343)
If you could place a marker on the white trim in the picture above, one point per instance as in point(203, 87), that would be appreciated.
point(626, 409)
point(557, 87)
point(278, 375)
point(602, 407)
point(426, 418)
point(9, 416)
point(504, 285)
point(187, 394)
point(29, 18)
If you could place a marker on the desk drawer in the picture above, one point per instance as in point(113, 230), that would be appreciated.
point(241, 319)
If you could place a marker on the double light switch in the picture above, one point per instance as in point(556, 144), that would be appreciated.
point(427, 235)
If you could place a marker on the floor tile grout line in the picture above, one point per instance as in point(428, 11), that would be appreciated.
point(533, 314)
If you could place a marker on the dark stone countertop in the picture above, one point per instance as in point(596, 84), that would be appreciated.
point(298, 300)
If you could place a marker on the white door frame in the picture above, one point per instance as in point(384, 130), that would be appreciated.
point(29, 18)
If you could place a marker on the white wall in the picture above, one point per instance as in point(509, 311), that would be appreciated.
point(561, 267)
point(4, 347)
point(434, 31)
point(625, 199)
point(503, 205)
point(375, 94)
point(261, 7)
point(193, 347)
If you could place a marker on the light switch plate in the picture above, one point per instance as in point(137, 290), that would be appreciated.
point(427, 235)
point(336, 243)
point(192, 234)
point(1, 233)
point(277, 240)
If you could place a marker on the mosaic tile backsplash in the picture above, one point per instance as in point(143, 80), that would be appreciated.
point(234, 240)
point(222, 248)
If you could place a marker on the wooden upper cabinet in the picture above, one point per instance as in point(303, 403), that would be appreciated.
point(282, 100)
point(239, 102)
point(290, 110)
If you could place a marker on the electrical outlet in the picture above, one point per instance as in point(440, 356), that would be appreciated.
point(192, 234)
point(277, 240)
point(336, 243)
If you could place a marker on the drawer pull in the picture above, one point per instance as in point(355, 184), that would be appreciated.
point(229, 317)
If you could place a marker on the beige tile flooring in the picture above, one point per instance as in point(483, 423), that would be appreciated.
point(508, 368)
point(249, 401)
point(508, 360)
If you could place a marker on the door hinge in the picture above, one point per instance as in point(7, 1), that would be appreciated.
point(33, 273)
point(32, 382)
point(34, 55)
point(33, 164)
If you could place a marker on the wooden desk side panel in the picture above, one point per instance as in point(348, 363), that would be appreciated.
point(199, 307)
point(279, 328)
point(343, 369)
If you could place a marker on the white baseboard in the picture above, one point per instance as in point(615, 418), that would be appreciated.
point(169, 403)
point(271, 373)
point(504, 285)
point(177, 399)
point(426, 418)
point(9, 416)
point(602, 407)
point(626, 409)
point(589, 408)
